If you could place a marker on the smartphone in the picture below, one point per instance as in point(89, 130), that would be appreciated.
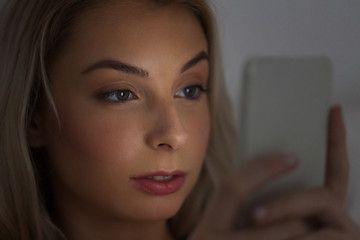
point(285, 105)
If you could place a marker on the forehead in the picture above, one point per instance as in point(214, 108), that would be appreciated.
point(138, 17)
point(136, 27)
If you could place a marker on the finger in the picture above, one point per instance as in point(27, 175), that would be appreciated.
point(337, 170)
point(328, 234)
point(278, 231)
point(222, 209)
point(317, 204)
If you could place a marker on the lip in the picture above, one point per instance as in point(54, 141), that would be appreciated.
point(160, 187)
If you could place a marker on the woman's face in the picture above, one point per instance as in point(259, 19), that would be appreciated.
point(134, 119)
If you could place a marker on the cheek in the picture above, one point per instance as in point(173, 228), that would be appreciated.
point(198, 126)
point(90, 133)
point(100, 136)
point(94, 144)
point(200, 132)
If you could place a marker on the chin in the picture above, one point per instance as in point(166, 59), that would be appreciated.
point(159, 208)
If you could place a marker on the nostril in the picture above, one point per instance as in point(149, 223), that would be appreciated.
point(165, 146)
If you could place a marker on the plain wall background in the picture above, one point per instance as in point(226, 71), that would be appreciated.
point(290, 27)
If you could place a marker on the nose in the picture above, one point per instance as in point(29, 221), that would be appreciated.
point(167, 131)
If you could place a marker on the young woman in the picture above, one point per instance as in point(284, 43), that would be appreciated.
point(116, 125)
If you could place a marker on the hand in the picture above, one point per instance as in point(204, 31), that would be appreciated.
point(324, 205)
point(285, 217)
point(221, 214)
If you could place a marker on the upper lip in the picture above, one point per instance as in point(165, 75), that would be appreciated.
point(161, 173)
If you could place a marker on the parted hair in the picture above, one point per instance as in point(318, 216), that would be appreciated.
point(32, 33)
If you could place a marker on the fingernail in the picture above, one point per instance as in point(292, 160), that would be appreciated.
point(260, 213)
point(290, 161)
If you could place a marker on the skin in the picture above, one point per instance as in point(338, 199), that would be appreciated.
point(103, 142)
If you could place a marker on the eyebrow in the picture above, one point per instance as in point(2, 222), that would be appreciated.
point(131, 69)
point(119, 66)
point(195, 60)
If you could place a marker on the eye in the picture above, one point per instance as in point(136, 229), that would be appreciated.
point(120, 96)
point(190, 92)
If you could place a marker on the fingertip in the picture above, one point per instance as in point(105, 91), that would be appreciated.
point(290, 161)
point(337, 110)
point(259, 215)
point(337, 107)
point(336, 125)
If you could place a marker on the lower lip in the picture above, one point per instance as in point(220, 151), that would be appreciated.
point(155, 187)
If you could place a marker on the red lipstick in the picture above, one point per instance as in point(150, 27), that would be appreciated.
point(160, 182)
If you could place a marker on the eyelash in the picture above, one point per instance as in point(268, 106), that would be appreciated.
point(114, 96)
point(129, 95)
point(198, 90)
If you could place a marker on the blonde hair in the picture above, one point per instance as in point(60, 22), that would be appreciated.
point(33, 32)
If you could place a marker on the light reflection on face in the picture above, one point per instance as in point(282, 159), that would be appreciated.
point(129, 90)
